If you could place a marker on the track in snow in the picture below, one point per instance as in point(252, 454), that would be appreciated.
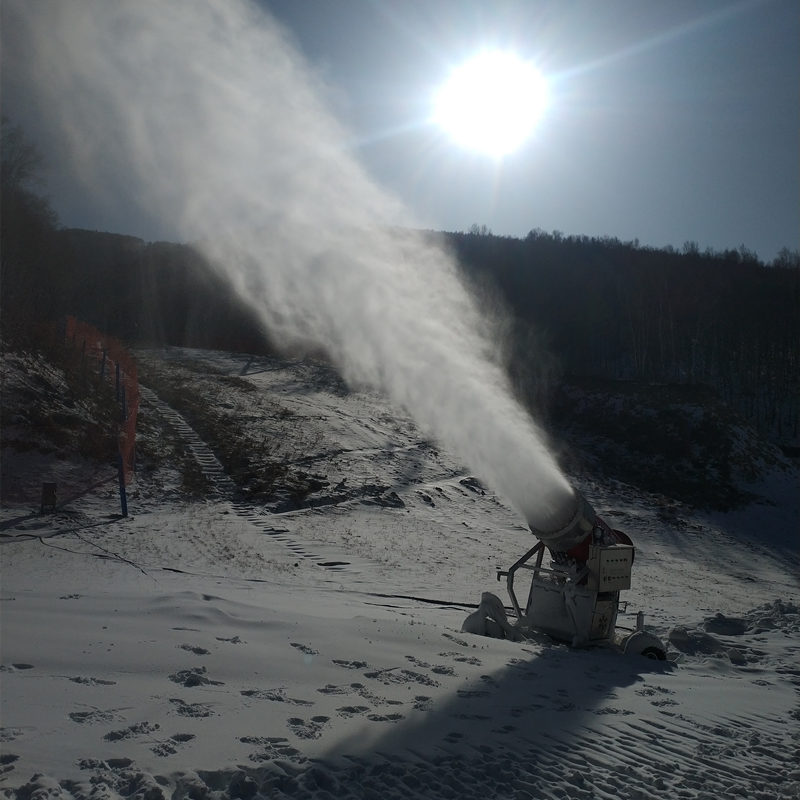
point(224, 488)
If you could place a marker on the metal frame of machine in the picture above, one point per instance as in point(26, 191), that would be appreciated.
point(576, 598)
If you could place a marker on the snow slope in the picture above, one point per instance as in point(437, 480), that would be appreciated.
point(231, 648)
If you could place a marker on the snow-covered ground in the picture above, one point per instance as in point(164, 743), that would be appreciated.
point(220, 648)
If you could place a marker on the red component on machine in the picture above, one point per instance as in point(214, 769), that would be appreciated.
point(580, 552)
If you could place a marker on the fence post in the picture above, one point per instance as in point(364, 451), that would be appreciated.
point(123, 496)
point(127, 395)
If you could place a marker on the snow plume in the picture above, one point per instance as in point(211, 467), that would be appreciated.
point(205, 116)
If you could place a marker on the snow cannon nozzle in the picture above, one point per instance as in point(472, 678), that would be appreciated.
point(578, 523)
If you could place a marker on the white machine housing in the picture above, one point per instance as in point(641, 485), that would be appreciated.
point(576, 598)
point(579, 606)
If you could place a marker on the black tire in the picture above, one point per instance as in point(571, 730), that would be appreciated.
point(654, 653)
point(642, 643)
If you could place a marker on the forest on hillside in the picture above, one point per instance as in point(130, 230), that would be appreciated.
point(578, 307)
point(618, 311)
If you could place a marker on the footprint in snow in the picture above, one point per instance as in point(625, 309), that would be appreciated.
point(394, 675)
point(305, 649)
point(272, 748)
point(195, 710)
point(456, 640)
point(360, 690)
point(649, 691)
point(350, 664)
point(461, 658)
point(198, 651)
point(311, 729)
point(330, 688)
point(7, 762)
point(422, 702)
point(92, 681)
point(139, 729)
point(91, 717)
point(471, 693)
point(10, 734)
point(385, 717)
point(196, 676)
point(170, 746)
point(438, 669)
point(351, 711)
point(276, 695)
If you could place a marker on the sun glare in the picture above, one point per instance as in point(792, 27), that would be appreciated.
point(491, 103)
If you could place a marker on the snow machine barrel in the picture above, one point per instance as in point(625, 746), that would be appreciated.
point(582, 528)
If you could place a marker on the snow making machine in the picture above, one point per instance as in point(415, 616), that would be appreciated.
point(575, 598)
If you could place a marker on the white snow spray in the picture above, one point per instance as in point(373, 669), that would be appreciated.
point(206, 117)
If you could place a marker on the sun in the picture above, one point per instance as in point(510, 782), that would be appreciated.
point(491, 103)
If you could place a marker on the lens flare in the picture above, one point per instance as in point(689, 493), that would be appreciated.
point(491, 103)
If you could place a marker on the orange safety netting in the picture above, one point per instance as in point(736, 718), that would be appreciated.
point(117, 365)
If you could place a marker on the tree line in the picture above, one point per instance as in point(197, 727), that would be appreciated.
point(616, 310)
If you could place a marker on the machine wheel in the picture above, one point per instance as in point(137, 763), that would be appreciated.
point(645, 644)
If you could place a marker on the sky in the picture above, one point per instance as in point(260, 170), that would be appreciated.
point(665, 122)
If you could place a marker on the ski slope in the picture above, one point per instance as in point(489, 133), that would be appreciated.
point(226, 648)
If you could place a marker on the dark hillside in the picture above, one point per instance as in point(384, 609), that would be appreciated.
point(154, 293)
point(677, 440)
point(617, 311)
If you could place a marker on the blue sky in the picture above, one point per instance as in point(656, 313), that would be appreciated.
point(667, 122)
